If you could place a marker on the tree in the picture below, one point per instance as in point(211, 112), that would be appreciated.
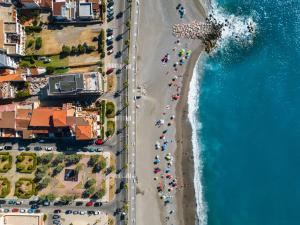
point(128, 24)
point(40, 173)
point(72, 159)
point(90, 183)
point(50, 70)
point(65, 50)
point(99, 194)
point(58, 169)
point(66, 198)
point(99, 166)
point(127, 42)
point(45, 158)
point(59, 159)
point(74, 50)
point(93, 160)
point(43, 184)
point(30, 43)
point(38, 43)
point(81, 49)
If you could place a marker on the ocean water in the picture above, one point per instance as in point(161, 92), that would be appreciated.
point(247, 123)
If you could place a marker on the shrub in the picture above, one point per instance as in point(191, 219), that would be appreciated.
point(30, 43)
point(99, 194)
point(23, 94)
point(65, 50)
point(90, 183)
point(5, 189)
point(38, 43)
point(110, 110)
point(50, 70)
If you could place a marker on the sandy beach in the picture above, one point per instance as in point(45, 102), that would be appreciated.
point(154, 41)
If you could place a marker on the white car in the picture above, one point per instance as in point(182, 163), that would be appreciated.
point(111, 37)
point(82, 212)
point(19, 202)
point(97, 212)
point(49, 148)
point(1, 148)
point(22, 210)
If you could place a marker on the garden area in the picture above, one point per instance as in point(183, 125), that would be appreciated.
point(5, 162)
point(25, 188)
point(4, 187)
point(26, 162)
point(107, 114)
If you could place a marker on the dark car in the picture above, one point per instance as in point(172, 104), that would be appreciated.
point(109, 42)
point(109, 30)
point(118, 54)
point(110, 18)
point(57, 211)
point(8, 147)
point(37, 211)
point(68, 212)
point(119, 15)
point(35, 206)
point(110, 47)
point(110, 4)
point(55, 217)
point(119, 37)
point(89, 204)
point(79, 203)
point(98, 204)
point(33, 202)
point(2, 202)
point(109, 71)
point(37, 148)
point(91, 212)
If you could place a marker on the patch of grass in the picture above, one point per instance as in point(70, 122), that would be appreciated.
point(4, 187)
point(5, 162)
point(110, 128)
point(26, 162)
point(25, 188)
point(56, 61)
point(110, 110)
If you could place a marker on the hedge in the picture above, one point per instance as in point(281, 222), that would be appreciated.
point(21, 194)
point(110, 110)
point(5, 190)
point(7, 166)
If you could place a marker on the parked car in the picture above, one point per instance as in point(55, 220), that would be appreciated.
point(75, 212)
point(46, 203)
point(22, 210)
point(30, 210)
point(56, 211)
point(6, 210)
point(119, 15)
point(49, 148)
point(111, 37)
point(109, 52)
point(12, 202)
point(97, 204)
point(55, 217)
point(79, 203)
point(37, 211)
point(15, 210)
point(109, 42)
point(2, 202)
point(82, 212)
point(89, 204)
point(35, 206)
point(99, 149)
point(1, 148)
point(19, 202)
point(56, 222)
point(99, 142)
point(37, 148)
point(8, 147)
point(22, 148)
point(68, 212)
point(109, 71)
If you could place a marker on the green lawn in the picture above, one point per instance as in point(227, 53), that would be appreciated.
point(56, 61)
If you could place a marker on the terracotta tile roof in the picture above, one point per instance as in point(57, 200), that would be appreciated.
point(27, 134)
point(8, 107)
point(7, 120)
point(84, 132)
point(95, 4)
point(23, 117)
point(40, 131)
point(57, 8)
point(41, 117)
point(11, 77)
point(60, 118)
point(46, 3)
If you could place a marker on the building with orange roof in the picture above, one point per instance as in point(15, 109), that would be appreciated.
point(29, 122)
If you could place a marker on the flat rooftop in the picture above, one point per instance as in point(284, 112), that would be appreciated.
point(85, 9)
point(65, 84)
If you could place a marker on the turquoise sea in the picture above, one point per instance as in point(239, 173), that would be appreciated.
point(248, 115)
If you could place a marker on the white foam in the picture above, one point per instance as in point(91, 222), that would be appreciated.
point(193, 102)
point(237, 28)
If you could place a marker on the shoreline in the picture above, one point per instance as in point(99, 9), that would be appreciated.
point(186, 196)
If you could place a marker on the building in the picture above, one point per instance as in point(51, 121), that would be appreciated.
point(12, 33)
point(7, 62)
point(85, 11)
point(75, 84)
point(31, 121)
point(36, 4)
point(63, 10)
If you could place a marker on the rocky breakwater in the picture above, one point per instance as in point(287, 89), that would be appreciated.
point(209, 32)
